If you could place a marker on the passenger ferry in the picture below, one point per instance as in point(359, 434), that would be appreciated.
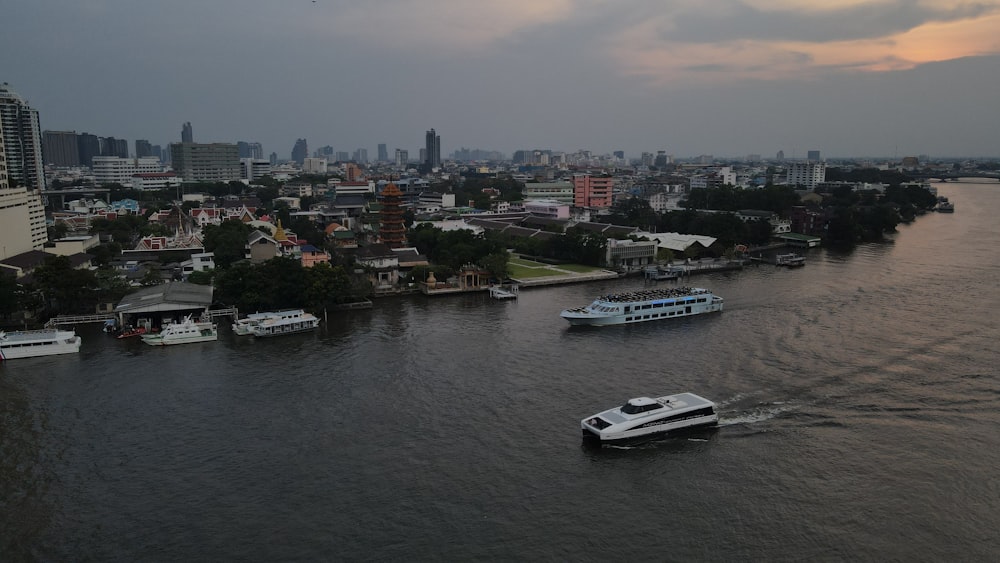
point(286, 322)
point(645, 305)
point(790, 260)
point(244, 327)
point(185, 332)
point(32, 343)
point(643, 418)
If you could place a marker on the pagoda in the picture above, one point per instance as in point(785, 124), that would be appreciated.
point(391, 231)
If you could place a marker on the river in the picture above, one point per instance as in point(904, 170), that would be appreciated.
point(859, 398)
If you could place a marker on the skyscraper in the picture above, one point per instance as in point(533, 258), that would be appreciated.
point(432, 146)
point(89, 146)
point(22, 141)
point(144, 148)
point(383, 153)
point(111, 146)
point(60, 148)
point(300, 151)
point(250, 149)
point(187, 134)
point(22, 215)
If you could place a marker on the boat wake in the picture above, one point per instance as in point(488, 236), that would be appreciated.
point(760, 414)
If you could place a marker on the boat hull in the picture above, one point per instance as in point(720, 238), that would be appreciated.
point(63, 346)
point(577, 318)
point(645, 434)
point(157, 340)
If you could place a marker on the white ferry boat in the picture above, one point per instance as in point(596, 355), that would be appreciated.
point(645, 305)
point(244, 327)
point(184, 332)
point(643, 417)
point(286, 322)
point(32, 343)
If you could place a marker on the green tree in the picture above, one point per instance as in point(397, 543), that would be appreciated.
point(227, 240)
point(496, 265)
point(10, 300)
point(64, 288)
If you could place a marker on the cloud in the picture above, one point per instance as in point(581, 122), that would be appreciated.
point(771, 39)
point(439, 25)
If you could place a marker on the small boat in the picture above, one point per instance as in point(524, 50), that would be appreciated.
point(34, 343)
point(661, 273)
point(645, 305)
point(945, 207)
point(285, 322)
point(790, 260)
point(129, 332)
point(184, 332)
point(645, 418)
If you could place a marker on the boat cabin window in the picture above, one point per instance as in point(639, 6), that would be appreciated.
point(629, 408)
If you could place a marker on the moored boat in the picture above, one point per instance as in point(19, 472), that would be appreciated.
point(645, 305)
point(645, 418)
point(184, 332)
point(33, 343)
point(285, 322)
point(244, 326)
point(790, 260)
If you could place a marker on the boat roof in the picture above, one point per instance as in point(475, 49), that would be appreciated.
point(655, 293)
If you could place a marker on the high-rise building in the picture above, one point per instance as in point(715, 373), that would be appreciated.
point(342, 156)
point(144, 148)
point(249, 149)
point(300, 151)
point(118, 170)
point(402, 157)
point(592, 191)
point(383, 153)
point(812, 156)
point(806, 174)
point(22, 141)
point(361, 156)
point(22, 215)
point(206, 162)
point(187, 134)
point(61, 148)
point(90, 146)
point(273, 159)
point(111, 146)
point(432, 146)
point(156, 151)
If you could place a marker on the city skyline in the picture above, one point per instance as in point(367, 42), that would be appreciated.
point(853, 78)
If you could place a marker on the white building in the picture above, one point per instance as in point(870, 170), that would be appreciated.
point(314, 165)
point(22, 221)
point(155, 181)
point(806, 174)
point(429, 202)
point(118, 170)
point(253, 168)
point(548, 208)
point(663, 202)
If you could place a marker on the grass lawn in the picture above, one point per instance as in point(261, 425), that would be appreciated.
point(521, 268)
point(517, 271)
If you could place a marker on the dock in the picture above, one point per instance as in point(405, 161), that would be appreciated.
point(502, 293)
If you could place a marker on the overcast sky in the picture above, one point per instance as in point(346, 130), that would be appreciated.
point(722, 77)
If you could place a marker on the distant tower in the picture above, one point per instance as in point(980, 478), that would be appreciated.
point(187, 134)
point(383, 153)
point(391, 230)
point(780, 155)
point(22, 140)
point(144, 148)
point(300, 151)
point(812, 156)
point(432, 146)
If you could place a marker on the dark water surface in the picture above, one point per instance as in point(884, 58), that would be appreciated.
point(860, 405)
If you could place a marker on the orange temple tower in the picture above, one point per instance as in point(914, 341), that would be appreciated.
point(391, 230)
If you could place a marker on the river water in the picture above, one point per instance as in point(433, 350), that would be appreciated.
point(859, 396)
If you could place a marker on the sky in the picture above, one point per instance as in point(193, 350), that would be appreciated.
point(730, 78)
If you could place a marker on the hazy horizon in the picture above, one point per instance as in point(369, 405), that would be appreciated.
point(852, 78)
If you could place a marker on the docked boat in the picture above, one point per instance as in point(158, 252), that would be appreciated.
point(185, 332)
point(32, 343)
point(645, 418)
point(790, 260)
point(645, 305)
point(244, 327)
point(286, 322)
point(945, 207)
